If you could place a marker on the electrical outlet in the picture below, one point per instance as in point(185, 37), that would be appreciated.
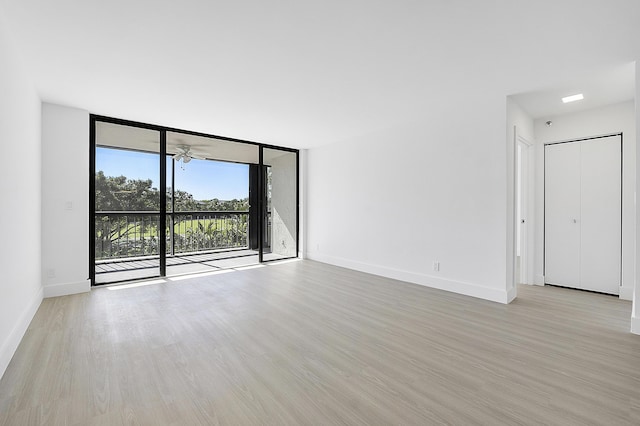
point(436, 266)
point(51, 273)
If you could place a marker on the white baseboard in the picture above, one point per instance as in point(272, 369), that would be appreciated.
point(9, 346)
point(64, 289)
point(626, 293)
point(539, 280)
point(512, 293)
point(468, 289)
point(635, 325)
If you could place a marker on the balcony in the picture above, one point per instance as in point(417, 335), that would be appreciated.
point(127, 243)
point(168, 203)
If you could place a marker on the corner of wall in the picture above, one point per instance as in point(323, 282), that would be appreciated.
point(65, 200)
point(21, 287)
point(511, 295)
point(302, 203)
point(66, 289)
point(635, 309)
point(626, 293)
point(11, 343)
point(635, 325)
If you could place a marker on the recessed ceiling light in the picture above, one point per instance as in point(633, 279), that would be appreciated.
point(573, 98)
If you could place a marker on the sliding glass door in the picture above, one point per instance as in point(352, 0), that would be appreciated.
point(127, 203)
point(209, 216)
point(168, 202)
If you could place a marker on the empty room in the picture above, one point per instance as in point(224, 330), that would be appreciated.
point(279, 212)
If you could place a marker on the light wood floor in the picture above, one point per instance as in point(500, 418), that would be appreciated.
point(307, 343)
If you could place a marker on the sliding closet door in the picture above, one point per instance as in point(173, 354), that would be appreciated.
point(601, 220)
point(562, 214)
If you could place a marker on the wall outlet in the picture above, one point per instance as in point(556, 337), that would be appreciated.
point(436, 266)
point(51, 273)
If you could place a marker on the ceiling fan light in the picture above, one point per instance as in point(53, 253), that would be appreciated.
point(186, 159)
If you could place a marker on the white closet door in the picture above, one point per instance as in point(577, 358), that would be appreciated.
point(600, 211)
point(562, 214)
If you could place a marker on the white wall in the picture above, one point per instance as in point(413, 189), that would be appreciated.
point(283, 204)
point(516, 116)
point(393, 202)
point(65, 200)
point(20, 285)
point(302, 203)
point(610, 119)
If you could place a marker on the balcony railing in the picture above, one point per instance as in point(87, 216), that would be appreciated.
point(124, 234)
point(199, 231)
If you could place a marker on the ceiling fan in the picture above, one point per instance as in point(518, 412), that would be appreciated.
point(185, 154)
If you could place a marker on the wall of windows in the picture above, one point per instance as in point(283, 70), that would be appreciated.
point(168, 202)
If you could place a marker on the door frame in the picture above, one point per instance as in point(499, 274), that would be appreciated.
point(524, 169)
point(528, 260)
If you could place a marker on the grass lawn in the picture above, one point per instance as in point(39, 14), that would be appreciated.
point(210, 227)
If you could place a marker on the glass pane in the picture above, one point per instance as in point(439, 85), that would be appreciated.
point(170, 202)
point(210, 221)
point(127, 203)
point(280, 213)
point(169, 185)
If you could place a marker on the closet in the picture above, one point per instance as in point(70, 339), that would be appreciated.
point(582, 208)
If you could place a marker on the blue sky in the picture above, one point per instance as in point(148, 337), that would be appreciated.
point(204, 179)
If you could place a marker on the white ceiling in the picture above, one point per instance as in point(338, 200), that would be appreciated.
point(304, 74)
point(610, 86)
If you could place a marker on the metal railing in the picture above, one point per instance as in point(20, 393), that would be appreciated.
point(213, 230)
point(125, 234)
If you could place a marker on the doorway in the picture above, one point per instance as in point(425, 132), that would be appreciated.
point(523, 204)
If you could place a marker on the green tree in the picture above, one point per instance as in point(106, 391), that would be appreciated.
point(184, 201)
point(119, 193)
point(124, 235)
point(226, 205)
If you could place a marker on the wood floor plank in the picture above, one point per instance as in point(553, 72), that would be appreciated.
point(308, 343)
